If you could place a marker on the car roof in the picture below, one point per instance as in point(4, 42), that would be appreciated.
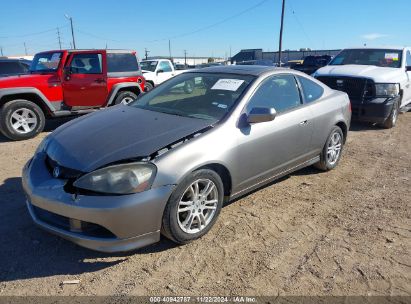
point(386, 47)
point(254, 70)
point(14, 60)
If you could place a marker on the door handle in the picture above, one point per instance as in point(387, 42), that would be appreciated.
point(99, 80)
point(304, 122)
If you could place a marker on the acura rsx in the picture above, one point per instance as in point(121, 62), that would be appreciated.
point(165, 163)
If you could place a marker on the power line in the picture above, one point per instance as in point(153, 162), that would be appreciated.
point(32, 34)
point(300, 24)
point(214, 24)
point(95, 36)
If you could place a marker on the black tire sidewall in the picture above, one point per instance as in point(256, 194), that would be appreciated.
point(389, 123)
point(123, 95)
point(170, 228)
point(148, 87)
point(10, 107)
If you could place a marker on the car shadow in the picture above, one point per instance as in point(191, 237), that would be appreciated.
point(364, 126)
point(29, 252)
point(51, 125)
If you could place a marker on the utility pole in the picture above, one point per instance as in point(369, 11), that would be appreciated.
point(72, 30)
point(169, 49)
point(146, 53)
point(1, 49)
point(58, 36)
point(185, 58)
point(25, 48)
point(281, 35)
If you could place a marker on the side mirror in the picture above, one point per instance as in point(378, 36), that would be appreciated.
point(408, 68)
point(160, 71)
point(258, 115)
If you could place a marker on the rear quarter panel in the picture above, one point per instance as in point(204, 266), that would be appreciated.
point(329, 111)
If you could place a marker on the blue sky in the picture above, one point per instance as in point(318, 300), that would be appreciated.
point(131, 24)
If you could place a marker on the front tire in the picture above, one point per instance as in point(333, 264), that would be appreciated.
point(193, 207)
point(331, 154)
point(148, 87)
point(125, 97)
point(391, 121)
point(21, 119)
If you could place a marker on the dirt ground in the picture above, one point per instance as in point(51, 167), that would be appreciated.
point(344, 232)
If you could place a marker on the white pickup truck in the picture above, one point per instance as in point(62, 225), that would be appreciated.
point(156, 71)
point(377, 80)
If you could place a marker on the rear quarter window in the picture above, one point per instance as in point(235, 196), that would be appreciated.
point(311, 90)
point(117, 62)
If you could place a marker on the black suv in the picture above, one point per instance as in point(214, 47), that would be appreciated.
point(12, 67)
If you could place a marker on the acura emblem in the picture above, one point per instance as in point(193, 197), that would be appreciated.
point(56, 171)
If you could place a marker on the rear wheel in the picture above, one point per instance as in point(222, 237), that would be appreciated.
point(392, 119)
point(332, 150)
point(125, 97)
point(21, 119)
point(193, 207)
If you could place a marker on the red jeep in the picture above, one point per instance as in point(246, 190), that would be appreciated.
point(69, 82)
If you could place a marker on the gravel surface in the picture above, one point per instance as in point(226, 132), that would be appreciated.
point(344, 232)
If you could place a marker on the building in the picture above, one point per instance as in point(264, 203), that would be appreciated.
point(190, 60)
point(287, 55)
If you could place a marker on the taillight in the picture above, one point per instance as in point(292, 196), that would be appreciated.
point(350, 106)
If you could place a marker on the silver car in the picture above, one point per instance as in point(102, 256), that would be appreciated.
point(164, 164)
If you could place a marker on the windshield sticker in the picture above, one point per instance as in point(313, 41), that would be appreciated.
point(227, 84)
point(391, 56)
point(222, 106)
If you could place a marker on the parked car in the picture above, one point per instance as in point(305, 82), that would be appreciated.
point(63, 83)
point(156, 71)
point(292, 63)
point(112, 181)
point(378, 81)
point(12, 67)
point(312, 64)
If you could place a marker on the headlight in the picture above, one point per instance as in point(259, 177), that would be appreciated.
point(387, 89)
point(119, 179)
point(43, 145)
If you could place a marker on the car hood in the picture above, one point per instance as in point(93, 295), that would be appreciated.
point(115, 134)
point(378, 74)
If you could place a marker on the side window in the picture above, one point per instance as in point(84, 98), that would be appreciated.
point(165, 66)
point(86, 64)
point(118, 62)
point(278, 92)
point(408, 62)
point(311, 90)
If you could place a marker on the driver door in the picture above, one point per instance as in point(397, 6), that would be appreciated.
point(270, 148)
point(167, 71)
point(85, 84)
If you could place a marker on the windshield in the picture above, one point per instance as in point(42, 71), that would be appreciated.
point(149, 65)
point(377, 57)
point(46, 62)
point(207, 96)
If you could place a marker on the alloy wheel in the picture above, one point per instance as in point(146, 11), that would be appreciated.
point(23, 120)
point(126, 100)
point(334, 148)
point(197, 206)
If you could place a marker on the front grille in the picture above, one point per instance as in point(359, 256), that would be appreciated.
point(357, 88)
point(64, 172)
point(62, 222)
